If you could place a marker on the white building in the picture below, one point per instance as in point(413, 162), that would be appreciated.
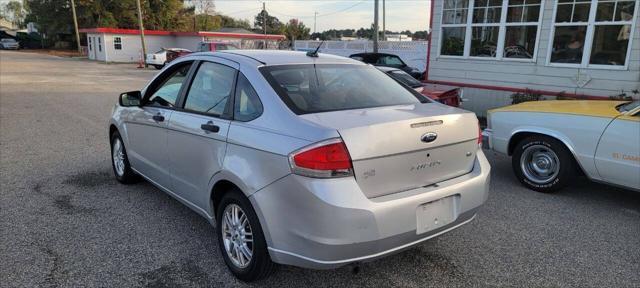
point(124, 45)
point(397, 37)
point(582, 48)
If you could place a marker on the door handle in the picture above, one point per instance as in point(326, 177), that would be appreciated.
point(158, 118)
point(210, 127)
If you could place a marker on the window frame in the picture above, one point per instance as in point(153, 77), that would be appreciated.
point(588, 42)
point(117, 43)
point(227, 113)
point(502, 30)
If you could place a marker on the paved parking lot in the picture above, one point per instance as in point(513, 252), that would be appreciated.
point(64, 220)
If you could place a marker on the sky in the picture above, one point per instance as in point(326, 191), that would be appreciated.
point(334, 14)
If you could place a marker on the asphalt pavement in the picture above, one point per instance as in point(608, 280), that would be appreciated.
point(66, 222)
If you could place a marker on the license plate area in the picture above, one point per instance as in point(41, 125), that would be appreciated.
point(437, 213)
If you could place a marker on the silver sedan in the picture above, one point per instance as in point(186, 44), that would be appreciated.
point(300, 159)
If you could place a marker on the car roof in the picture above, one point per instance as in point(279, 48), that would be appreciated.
point(284, 57)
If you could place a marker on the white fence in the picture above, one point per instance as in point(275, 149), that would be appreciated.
point(414, 53)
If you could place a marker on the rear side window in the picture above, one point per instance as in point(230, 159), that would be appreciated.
point(210, 90)
point(390, 60)
point(247, 102)
point(309, 88)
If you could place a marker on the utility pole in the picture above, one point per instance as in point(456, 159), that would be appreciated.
point(315, 20)
point(264, 23)
point(375, 27)
point(384, 17)
point(75, 24)
point(144, 49)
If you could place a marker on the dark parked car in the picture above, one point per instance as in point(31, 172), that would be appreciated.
point(447, 95)
point(387, 60)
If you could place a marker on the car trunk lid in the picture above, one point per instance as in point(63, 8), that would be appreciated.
point(387, 148)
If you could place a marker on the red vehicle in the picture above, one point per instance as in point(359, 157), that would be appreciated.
point(215, 46)
point(448, 95)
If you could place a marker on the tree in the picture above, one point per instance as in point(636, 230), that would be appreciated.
point(52, 16)
point(204, 11)
point(230, 22)
point(166, 15)
point(14, 12)
point(296, 30)
point(421, 35)
point(274, 26)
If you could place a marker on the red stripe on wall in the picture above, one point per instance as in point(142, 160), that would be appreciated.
point(521, 90)
point(162, 32)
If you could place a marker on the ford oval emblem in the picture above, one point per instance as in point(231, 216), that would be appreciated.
point(429, 137)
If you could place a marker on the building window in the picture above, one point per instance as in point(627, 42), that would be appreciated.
point(454, 20)
point(485, 27)
point(117, 43)
point(592, 32)
point(90, 48)
point(521, 30)
point(99, 44)
point(494, 29)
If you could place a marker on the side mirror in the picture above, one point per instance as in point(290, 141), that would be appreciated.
point(130, 99)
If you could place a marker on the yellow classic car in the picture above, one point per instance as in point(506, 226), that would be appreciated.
point(553, 141)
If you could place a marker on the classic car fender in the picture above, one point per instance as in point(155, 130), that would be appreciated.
point(585, 162)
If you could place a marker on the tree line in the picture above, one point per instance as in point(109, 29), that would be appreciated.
point(54, 18)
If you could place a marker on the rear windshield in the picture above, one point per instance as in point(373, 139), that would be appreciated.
point(309, 88)
point(405, 78)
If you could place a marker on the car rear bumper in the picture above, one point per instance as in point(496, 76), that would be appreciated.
point(328, 223)
point(151, 61)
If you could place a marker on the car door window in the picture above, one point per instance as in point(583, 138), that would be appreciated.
point(166, 93)
point(247, 102)
point(210, 89)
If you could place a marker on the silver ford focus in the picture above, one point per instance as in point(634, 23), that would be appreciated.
point(310, 160)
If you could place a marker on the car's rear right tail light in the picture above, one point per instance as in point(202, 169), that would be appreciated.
point(326, 159)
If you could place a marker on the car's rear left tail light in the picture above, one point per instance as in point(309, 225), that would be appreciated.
point(326, 159)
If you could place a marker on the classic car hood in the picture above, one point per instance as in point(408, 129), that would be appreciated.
point(598, 108)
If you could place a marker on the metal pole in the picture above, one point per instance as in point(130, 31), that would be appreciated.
point(375, 27)
point(384, 17)
point(264, 23)
point(144, 49)
point(315, 20)
point(75, 24)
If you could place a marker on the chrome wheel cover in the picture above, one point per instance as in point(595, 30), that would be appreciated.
point(539, 164)
point(118, 156)
point(237, 235)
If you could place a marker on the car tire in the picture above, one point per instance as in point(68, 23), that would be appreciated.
point(230, 232)
point(543, 164)
point(120, 161)
point(158, 66)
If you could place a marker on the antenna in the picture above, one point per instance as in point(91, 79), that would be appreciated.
point(315, 53)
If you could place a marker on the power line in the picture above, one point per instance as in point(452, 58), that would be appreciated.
point(320, 15)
